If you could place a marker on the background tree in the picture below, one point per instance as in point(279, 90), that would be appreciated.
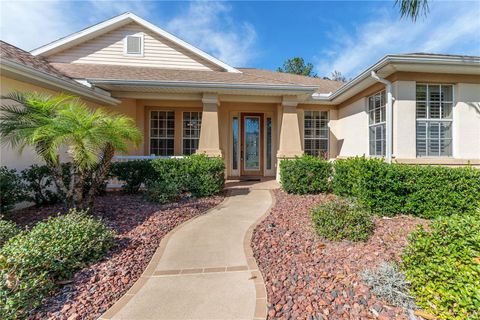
point(338, 76)
point(53, 124)
point(297, 65)
point(412, 8)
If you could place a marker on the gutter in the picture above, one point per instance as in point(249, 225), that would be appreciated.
point(63, 85)
point(202, 86)
point(389, 116)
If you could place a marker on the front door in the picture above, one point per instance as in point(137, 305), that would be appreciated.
point(251, 152)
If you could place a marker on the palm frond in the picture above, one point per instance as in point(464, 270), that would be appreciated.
point(413, 8)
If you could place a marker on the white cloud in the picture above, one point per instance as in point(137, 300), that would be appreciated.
point(449, 28)
point(209, 26)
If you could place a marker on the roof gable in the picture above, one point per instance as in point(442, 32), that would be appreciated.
point(110, 25)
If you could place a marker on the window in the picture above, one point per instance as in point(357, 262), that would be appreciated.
point(316, 133)
point(434, 120)
point(133, 45)
point(235, 143)
point(269, 143)
point(162, 133)
point(376, 124)
point(192, 122)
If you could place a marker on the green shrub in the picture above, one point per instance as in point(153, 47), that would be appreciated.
point(343, 219)
point(11, 189)
point(33, 261)
point(39, 185)
point(7, 230)
point(443, 266)
point(424, 191)
point(132, 174)
point(204, 176)
point(198, 174)
point(305, 174)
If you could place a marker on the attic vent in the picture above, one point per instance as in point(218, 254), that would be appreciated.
point(134, 45)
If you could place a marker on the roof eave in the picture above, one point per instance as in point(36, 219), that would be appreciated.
point(55, 82)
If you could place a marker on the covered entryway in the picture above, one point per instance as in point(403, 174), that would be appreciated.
point(251, 149)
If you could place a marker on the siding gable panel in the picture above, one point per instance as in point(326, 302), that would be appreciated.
point(109, 49)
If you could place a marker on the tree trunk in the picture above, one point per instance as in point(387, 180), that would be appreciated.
point(56, 170)
point(99, 175)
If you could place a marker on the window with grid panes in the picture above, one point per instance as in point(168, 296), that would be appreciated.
point(162, 133)
point(434, 120)
point(376, 124)
point(192, 122)
point(316, 133)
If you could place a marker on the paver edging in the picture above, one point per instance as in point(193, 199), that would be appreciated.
point(150, 269)
point(260, 289)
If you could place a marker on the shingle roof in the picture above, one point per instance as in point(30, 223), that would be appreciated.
point(12, 53)
point(248, 76)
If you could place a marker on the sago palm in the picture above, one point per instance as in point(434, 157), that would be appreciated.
point(64, 129)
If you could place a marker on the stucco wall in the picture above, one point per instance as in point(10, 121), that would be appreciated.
point(352, 129)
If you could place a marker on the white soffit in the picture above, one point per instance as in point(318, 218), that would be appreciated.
point(114, 23)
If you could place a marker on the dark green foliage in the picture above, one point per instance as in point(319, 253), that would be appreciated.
point(197, 174)
point(11, 189)
point(424, 191)
point(33, 261)
point(39, 185)
point(7, 230)
point(305, 174)
point(132, 174)
point(341, 219)
point(443, 266)
point(204, 176)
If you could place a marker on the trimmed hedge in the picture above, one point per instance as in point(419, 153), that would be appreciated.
point(40, 187)
point(7, 230)
point(133, 174)
point(424, 191)
point(197, 174)
point(443, 267)
point(341, 218)
point(11, 189)
point(33, 261)
point(305, 174)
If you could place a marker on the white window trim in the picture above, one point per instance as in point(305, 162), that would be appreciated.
point(370, 125)
point(451, 120)
point(150, 130)
point(328, 127)
point(183, 137)
point(142, 42)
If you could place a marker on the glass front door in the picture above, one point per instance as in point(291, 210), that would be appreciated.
point(252, 125)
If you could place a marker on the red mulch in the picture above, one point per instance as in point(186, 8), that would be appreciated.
point(308, 277)
point(140, 226)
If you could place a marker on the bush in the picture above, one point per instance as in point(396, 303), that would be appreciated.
point(204, 176)
point(443, 266)
point(389, 283)
point(7, 230)
point(305, 174)
point(11, 189)
point(342, 219)
point(39, 185)
point(132, 173)
point(198, 174)
point(33, 261)
point(424, 191)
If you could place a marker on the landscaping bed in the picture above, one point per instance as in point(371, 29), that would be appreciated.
point(140, 226)
point(309, 277)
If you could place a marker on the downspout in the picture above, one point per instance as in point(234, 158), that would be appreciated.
point(389, 116)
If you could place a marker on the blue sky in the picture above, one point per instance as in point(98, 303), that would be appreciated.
point(333, 35)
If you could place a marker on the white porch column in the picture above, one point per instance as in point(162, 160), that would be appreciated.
point(290, 144)
point(209, 143)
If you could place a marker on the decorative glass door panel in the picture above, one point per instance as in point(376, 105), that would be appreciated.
point(252, 149)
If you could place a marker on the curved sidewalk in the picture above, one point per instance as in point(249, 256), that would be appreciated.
point(204, 268)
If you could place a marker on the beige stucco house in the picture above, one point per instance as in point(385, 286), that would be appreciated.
point(412, 108)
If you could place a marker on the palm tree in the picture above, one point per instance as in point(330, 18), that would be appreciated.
point(54, 124)
point(412, 8)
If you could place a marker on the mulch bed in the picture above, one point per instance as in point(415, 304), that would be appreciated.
point(308, 277)
point(140, 226)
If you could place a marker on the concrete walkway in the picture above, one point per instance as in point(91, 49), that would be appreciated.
point(204, 268)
